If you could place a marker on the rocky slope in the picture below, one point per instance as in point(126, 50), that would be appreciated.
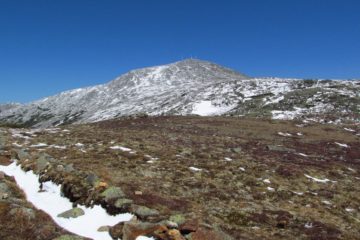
point(224, 177)
point(193, 87)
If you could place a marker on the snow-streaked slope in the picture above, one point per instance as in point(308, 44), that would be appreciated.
point(185, 87)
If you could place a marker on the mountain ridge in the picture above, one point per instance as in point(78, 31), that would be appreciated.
point(186, 87)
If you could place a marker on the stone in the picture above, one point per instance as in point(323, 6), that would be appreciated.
point(170, 224)
point(138, 193)
point(2, 175)
point(112, 193)
point(123, 203)
point(236, 150)
point(69, 168)
point(60, 168)
point(133, 229)
point(42, 162)
point(4, 187)
point(116, 231)
point(178, 219)
point(68, 237)
point(189, 226)
point(22, 154)
point(143, 212)
point(72, 213)
point(104, 229)
point(92, 179)
point(101, 185)
point(205, 234)
point(174, 234)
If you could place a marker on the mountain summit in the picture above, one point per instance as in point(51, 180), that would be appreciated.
point(192, 86)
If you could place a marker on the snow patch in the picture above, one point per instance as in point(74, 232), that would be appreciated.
point(124, 149)
point(195, 169)
point(51, 202)
point(325, 180)
point(342, 145)
point(39, 145)
point(205, 108)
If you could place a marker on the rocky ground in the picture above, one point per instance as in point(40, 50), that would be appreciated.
point(21, 220)
point(204, 177)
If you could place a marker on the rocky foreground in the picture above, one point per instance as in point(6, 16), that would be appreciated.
point(198, 177)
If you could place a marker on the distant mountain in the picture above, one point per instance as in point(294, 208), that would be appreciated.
point(193, 87)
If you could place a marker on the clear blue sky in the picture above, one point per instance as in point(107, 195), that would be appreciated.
point(50, 46)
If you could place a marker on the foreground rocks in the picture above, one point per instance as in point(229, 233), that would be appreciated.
point(21, 220)
point(219, 177)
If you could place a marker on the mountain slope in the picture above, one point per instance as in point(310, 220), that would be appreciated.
point(192, 87)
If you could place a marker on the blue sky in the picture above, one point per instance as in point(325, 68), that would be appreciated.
point(50, 46)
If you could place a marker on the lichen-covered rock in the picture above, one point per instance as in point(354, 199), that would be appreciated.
point(116, 231)
point(72, 213)
point(133, 229)
point(112, 193)
point(123, 203)
point(144, 212)
point(205, 234)
point(178, 219)
point(103, 229)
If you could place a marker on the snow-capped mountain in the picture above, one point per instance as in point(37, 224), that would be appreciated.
point(193, 87)
point(8, 106)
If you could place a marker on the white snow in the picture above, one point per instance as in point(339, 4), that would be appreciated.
point(342, 145)
point(349, 209)
point(121, 148)
point(303, 154)
point(242, 169)
point(144, 238)
point(298, 193)
point(195, 169)
point(79, 145)
point(57, 146)
point(349, 130)
point(228, 159)
point(308, 225)
point(53, 204)
point(270, 189)
point(266, 181)
point(318, 179)
point(284, 134)
point(326, 202)
point(39, 145)
point(206, 108)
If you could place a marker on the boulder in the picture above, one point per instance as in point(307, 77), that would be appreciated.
point(112, 193)
point(72, 213)
point(205, 234)
point(104, 229)
point(92, 179)
point(189, 226)
point(42, 162)
point(144, 212)
point(178, 219)
point(22, 154)
point(133, 229)
point(123, 204)
point(116, 231)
